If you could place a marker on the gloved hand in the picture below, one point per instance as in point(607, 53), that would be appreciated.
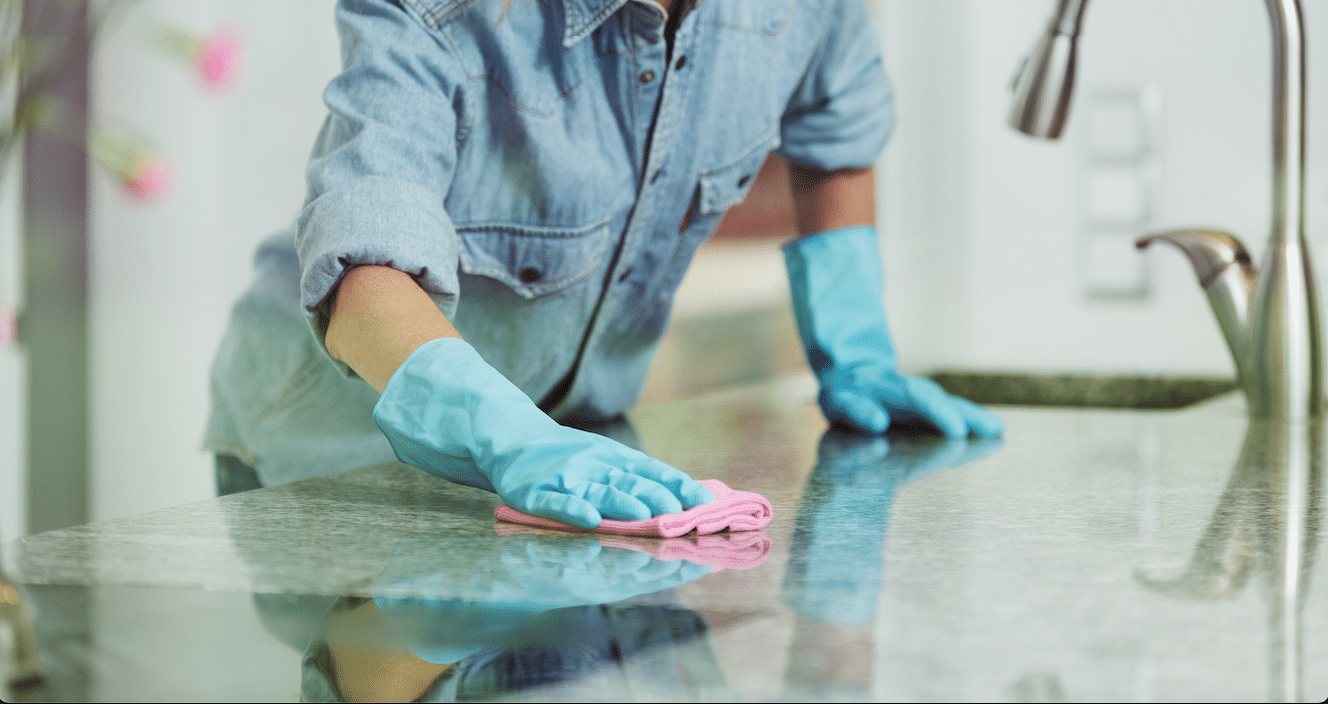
point(448, 412)
point(526, 573)
point(836, 558)
point(446, 603)
point(836, 282)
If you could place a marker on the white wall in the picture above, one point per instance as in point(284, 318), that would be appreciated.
point(164, 274)
point(981, 222)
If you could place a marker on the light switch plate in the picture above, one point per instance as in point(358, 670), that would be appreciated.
point(1115, 127)
point(1113, 266)
point(1115, 196)
point(1119, 184)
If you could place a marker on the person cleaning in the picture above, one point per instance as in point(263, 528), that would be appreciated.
point(501, 203)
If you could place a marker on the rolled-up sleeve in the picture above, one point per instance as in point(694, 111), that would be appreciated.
point(842, 113)
point(383, 162)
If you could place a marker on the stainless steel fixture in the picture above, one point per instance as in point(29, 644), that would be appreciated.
point(1270, 316)
point(24, 671)
point(1265, 525)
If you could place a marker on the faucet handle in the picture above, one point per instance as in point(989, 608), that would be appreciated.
point(1210, 251)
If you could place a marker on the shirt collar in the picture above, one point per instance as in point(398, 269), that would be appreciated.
point(582, 17)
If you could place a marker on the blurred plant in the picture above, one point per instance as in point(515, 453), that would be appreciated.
point(143, 174)
point(30, 62)
point(8, 326)
point(41, 41)
point(216, 56)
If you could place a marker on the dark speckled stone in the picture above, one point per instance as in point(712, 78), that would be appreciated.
point(1072, 390)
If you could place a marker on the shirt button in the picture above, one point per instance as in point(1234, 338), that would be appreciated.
point(647, 77)
point(655, 176)
point(682, 61)
point(529, 275)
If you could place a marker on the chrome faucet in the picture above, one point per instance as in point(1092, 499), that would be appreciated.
point(1269, 316)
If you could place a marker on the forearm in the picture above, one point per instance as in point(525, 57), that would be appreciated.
point(379, 317)
point(825, 200)
point(369, 662)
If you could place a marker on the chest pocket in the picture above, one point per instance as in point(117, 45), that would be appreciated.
point(723, 187)
point(717, 190)
point(527, 294)
point(767, 17)
point(532, 261)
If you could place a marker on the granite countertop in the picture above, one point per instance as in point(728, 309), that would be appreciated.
point(1094, 555)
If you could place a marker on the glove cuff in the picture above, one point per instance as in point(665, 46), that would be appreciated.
point(435, 408)
point(836, 283)
point(821, 261)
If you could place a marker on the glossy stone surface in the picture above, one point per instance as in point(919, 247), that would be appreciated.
point(1091, 555)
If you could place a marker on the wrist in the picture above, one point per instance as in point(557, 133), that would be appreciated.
point(850, 240)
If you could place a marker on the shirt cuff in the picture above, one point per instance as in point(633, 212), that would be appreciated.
point(375, 221)
point(850, 132)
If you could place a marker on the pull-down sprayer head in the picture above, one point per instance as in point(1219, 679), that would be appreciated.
point(1045, 82)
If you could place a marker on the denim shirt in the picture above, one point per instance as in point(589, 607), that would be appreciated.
point(547, 174)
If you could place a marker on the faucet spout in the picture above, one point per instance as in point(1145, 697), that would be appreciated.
point(1227, 276)
point(1045, 80)
point(1270, 318)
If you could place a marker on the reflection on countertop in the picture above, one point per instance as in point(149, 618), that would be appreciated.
point(1092, 555)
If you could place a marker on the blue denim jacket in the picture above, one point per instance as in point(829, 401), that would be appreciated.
point(547, 175)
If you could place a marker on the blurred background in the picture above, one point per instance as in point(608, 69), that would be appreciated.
point(1002, 252)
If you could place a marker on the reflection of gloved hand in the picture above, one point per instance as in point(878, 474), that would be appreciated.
point(449, 413)
point(836, 282)
point(449, 604)
point(835, 562)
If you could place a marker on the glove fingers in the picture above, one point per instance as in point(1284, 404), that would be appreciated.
point(614, 503)
point(693, 570)
point(938, 407)
point(572, 510)
point(561, 552)
point(621, 564)
point(981, 421)
point(654, 572)
point(855, 410)
point(657, 498)
point(687, 490)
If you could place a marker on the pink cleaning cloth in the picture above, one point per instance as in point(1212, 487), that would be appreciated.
point(733, 551)
point(731, 510)
point(723, 551)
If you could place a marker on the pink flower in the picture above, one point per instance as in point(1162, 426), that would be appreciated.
point(8, 326)
point(143, 174)
point(150, 178)
point(217, 58)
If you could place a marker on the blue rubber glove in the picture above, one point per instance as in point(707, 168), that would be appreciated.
point(448, 412)
point(447, 601)
point(837, 557)
point(836, 282)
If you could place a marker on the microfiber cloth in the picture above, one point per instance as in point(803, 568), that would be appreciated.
point(731, 551)
point(723, 551)
point(731, 510)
